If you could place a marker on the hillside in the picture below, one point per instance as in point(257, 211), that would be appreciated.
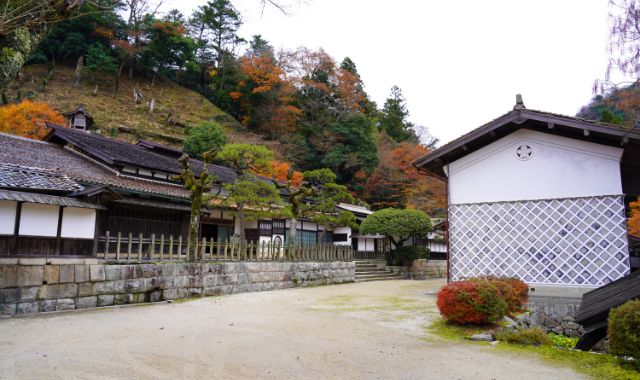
point(118, 115)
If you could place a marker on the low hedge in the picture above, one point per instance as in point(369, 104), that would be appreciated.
point(482, 299)
point(624, 330)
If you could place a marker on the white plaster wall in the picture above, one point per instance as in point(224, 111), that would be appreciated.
point(39, 220)
point(343, 230)
point(366, 244)
point(7, 217)
point(79, 223)
point(559, 167)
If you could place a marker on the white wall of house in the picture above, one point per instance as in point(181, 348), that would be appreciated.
point(79, 223)
point(7, 217)
point(558, 167)
point(343, 230)
point(39, 220)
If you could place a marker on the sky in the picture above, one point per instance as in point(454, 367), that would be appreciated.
point(459, 63)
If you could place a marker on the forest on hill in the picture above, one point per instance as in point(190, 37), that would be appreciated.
point(152, 75)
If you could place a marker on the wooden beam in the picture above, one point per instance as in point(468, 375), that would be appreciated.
point(16, 228)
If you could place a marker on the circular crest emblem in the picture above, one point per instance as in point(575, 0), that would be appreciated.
point(524, 152)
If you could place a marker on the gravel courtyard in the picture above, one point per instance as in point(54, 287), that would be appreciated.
point(353, 331)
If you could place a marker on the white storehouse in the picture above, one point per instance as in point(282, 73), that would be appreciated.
point(541, 197)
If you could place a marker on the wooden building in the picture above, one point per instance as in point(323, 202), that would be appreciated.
point(62, 195)
point(539, 196)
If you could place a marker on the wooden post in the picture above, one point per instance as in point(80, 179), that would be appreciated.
point(118, 246)
point(161, 247)
point(140, 247)
point(129, 244)
point(170, 247)
point(106, 245)
point(152, 247)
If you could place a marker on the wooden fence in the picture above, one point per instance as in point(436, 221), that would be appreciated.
point(130, 248)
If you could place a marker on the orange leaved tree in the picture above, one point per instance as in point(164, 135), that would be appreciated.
point(28, 119)
point(634, 218)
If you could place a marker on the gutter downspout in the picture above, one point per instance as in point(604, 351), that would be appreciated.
point(446, 219)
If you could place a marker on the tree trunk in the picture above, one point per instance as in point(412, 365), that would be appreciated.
point(78, 72)
point(194, 224)
point(293, 229)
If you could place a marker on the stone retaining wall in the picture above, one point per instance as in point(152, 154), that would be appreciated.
point(40, 285)
point(423, 269)
point(554, 314)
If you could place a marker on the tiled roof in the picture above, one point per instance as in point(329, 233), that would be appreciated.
point(114, 152)
point(20, 196)
point(56, 159)
point(17, 176)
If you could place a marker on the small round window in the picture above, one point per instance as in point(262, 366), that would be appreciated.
point(524, 152)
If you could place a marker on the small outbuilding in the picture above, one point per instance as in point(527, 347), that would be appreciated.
point(541, 197)
point(79, 118)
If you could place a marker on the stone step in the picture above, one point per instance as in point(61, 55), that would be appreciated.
point(375, 275)
point(379, 279)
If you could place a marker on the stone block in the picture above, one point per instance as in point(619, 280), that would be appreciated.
point(135, 285)
point(211, 280)
point(96, 273)
point(29, 293)
point(212, 291)
point(155, 296)
point(85, 289)
point(8, 276)
point(30, 275)
point(27, 308)
point(82, 273)
point(8, 308)
point(86, 302)
point(65, 304)
point(52, 274)
point(157, 283)
point(106, 300)
point(67, 273)
point(109, 287)
point(9, 295)
point(112, 272)
point(46, 306)
point(47, 292)
point(65, 261)
point(32, 261)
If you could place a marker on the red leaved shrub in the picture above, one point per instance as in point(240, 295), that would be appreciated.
point(479, 301)
point(514, 291)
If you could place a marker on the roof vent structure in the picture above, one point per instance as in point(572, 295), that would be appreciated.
point(519, 103)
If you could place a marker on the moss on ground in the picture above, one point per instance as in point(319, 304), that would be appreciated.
point(597, 366)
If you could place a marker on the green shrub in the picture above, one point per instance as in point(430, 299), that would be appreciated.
point(535, 336)
point(624, 329)
point(562, 341)
point(475, 302)
point(405, 255)
point(202, 138)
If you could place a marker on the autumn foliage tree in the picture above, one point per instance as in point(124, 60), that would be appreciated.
point(28, 119)
point(634, 218)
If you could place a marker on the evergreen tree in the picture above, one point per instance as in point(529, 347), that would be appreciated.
point(393, 118)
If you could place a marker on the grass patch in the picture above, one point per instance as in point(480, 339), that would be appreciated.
point(599, 366)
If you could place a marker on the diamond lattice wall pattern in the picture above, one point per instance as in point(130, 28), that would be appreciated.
point(578, 241)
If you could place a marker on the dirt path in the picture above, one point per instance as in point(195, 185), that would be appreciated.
point(352, 331)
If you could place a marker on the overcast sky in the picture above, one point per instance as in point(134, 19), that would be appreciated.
point(458, 63)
